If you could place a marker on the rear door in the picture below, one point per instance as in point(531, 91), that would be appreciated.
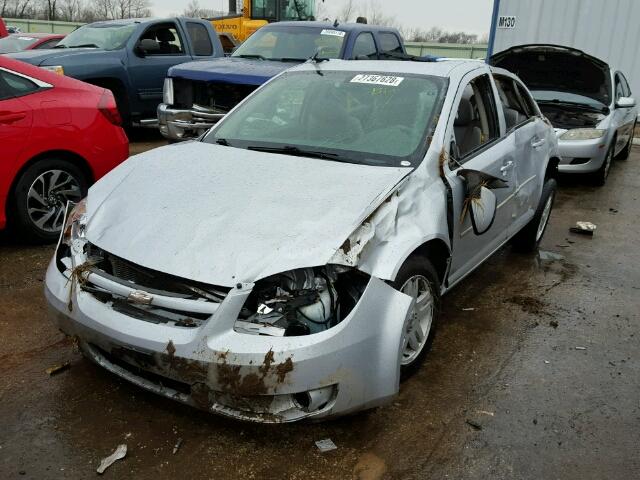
point(523, 122)
point(477, 143)
point(147, 71)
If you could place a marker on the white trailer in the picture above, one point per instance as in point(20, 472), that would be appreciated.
point(606, 29)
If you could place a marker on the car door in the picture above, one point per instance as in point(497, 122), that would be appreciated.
point(477, 143)
point(523, 122)
point(148, 67)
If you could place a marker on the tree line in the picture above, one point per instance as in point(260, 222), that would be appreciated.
point(75, 10)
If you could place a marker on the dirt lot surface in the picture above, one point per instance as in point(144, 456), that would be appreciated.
point(504, 393)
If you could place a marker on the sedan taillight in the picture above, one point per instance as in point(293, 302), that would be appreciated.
point(108, 107)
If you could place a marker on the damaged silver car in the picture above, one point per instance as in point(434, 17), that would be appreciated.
point(589, 104)
point(290, 263)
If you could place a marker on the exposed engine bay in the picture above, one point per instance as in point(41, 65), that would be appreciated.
point(563, 116)
point(301, 302)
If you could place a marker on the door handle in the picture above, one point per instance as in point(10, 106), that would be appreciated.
point(536, 143)
point(12, 117)
point(505, 168)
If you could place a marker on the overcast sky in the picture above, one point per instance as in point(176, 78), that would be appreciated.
point(472, 16)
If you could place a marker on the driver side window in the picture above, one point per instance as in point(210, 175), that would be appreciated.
point(476, 122)
point(167, 38)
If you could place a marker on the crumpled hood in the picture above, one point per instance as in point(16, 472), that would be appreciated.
point(51, 56)
point(222, 215)
point(242, 71)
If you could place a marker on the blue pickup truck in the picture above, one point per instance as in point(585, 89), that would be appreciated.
point(130, 58)
point(198, 94)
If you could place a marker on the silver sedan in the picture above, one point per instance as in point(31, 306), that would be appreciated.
point(589, 104)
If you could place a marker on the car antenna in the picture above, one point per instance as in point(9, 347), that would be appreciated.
point(336, 23)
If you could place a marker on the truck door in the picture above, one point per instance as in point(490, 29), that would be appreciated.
point(159, 47)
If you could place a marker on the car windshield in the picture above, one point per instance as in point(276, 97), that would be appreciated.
point(16, 43)
point(108, 36)
point(292, 43)
point(551, 96)
point(374, 119)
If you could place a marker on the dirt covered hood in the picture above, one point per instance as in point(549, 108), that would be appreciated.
point(222, 215)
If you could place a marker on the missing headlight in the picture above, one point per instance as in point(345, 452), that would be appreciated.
point(301, 302)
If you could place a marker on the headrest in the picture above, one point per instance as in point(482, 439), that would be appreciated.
point(165, 35)
point(465, 113)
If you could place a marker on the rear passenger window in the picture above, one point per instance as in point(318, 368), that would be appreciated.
point(12, 86)
point(389, 43)
point(199, 39)
point(513, 106)
point(365, 47)
point(48, 44)
point(476, 122)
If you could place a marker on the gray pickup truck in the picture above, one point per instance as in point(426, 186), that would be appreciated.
point(130, 58)
point(197, 95)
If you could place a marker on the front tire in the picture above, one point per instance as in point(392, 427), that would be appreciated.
point(624, 154)
point(600, 176)
point(418, 279)
point(528, 239)
point(40, 198)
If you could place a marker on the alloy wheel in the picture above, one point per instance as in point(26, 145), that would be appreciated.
point(416, 333)
point(47, 199)
point(544, 218)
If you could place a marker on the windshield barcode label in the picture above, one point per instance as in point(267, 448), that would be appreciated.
point(335, 33)
point(378, 80)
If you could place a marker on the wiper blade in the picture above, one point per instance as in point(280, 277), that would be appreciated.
point(223, 142)
point(85, 45)
point(291, 150)
point(259, 57)
point(60, 46)
point(289, 59)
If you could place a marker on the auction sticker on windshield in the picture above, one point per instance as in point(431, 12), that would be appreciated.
point(388, 80)
point(333, 33)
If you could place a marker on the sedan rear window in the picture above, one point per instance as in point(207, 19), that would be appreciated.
point(376, 119)
point(16, 43)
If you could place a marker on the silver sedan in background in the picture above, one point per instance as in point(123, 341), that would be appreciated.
point(589, 104)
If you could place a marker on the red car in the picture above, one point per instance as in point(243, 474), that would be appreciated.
point(57, 136)
point(18, 42)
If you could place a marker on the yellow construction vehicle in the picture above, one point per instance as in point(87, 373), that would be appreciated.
point(257, 13)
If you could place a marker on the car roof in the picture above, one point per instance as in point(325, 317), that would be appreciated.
point(444, 68)
point(346, 27)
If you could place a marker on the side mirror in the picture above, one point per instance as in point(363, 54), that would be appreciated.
point(146, 46)
point(480, 202)
point(626, 102)
point(483, 210)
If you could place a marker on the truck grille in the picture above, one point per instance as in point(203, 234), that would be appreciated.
point(216, 97)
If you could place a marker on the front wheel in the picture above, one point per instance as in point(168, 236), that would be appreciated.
point(41, 195)
point(600, 176)
point(528, 239)
point(624, 154)
point(418, 279)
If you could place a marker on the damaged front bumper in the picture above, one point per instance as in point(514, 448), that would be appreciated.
point(182, 124)
point(211, 366)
